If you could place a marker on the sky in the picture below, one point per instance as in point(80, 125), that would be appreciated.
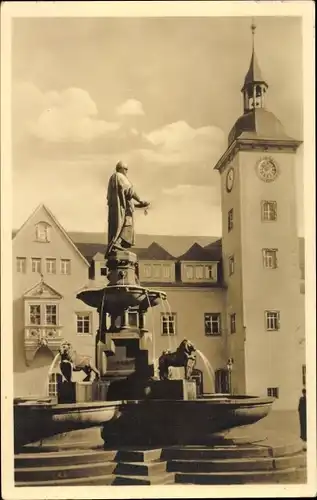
point(158, 93)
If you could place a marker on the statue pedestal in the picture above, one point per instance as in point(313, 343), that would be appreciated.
point(173, 389)
point(74, 392)
point(100, 390)
point(121, 265)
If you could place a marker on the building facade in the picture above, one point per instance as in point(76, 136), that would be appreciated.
point(239, 299)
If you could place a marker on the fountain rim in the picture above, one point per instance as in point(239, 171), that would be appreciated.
point(137, 288)
point(229, 401)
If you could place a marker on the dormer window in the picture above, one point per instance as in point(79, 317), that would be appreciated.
point(42, 232)
point(198, 272)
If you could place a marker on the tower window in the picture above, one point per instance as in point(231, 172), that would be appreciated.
point(269, 210)
point(212, 324)
point(233, 323)
point(230, 219)
point(231, 265)
point(269, 258)
point(168, 324)
point(272, 320)
point(273, 392)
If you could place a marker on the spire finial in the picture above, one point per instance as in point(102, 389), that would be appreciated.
point(253, 28)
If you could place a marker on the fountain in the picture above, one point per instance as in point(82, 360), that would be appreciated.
point(135, 427)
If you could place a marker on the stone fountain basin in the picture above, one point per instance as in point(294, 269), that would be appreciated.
point(120, 297)
point(36, 420)
point(168, 422)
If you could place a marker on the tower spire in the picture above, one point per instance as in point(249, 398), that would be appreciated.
point(253, 28)
point(255, 86)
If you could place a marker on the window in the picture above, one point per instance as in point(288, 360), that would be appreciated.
point(168, 324)
point(166, 271)
point(83, 323)
point(42, 232)
point(35, 314)
point(36, 265)
point(21, 264)
point(156, 271)
point(209, 274)
point(50, 314)
point(269, 210)
point(133, 318)
point(65, 266)
point(230, 219)
point(201, 272)
point(304, 375)
point(233, 323)
point(189, 272)
point(269, 258)
point(212, 324)
point(273, 392)
point(43, 314)
point(231, 265)
point(53, 380)
point(51, 266)
point(272, 320)
point(147, 271)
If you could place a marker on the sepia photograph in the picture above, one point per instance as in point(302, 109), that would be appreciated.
point(156, 233)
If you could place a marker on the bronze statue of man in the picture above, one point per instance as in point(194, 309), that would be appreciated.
point(120, 198)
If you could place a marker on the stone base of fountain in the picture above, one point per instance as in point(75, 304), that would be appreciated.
point(78, 458)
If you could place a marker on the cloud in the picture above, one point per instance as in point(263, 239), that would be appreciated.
point(179, 142)
point(131, 107)
point(69, 115)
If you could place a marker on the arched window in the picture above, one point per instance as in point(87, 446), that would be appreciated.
point(42, 232)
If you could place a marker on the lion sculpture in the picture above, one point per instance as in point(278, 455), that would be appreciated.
point(185, 355)
point(73, 362)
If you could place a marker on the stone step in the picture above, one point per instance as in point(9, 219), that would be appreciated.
point(238, 464)
point(167, 478)
point(283, 476)
point(230, 451)
point(138, 455)
point(64, 472)
point(141, 468)
point(103, 480)
point(63, 458)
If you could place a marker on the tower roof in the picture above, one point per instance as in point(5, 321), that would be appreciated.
point(254, 74)
point(258, 124)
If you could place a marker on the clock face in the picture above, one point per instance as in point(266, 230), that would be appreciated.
point(267, 169)
point(230, 180)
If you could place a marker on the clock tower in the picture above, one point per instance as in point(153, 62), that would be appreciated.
point(260, 250)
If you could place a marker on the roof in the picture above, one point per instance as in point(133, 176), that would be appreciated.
point(254, 73)
point(154, 252)
point(199, 253)
point(55, 221)
point(174, 245)
point(258, 124)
